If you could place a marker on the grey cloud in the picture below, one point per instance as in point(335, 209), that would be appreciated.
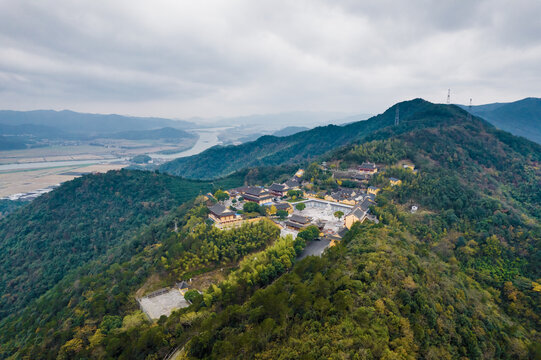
point(211, 58)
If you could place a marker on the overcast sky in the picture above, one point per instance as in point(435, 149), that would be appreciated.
point(180, 59)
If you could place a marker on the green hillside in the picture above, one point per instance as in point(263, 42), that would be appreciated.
point(458, 279)
point(522, 118)
point(78, 222)
point(9, 206)
point(271, 150)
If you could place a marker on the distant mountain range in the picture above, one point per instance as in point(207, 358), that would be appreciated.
point(522, 118)
point(163, 133)
point(21, 129)
point(14, 137)
point(294, 118)
point(30, 129)
point(287, 131)
point(88, 124)
point(24, 129)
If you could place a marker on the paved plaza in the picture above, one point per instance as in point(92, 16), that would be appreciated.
point(324, 211)
point(162, 302)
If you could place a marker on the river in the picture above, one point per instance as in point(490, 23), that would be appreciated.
point(207, 139)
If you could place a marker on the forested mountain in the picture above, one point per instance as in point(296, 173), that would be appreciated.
point(8, 206)
point(306, 145)
point(271, 150)
point(521, 117)
point(82, 230)
point(32, 130)
point(460, 278)
point(80, 221)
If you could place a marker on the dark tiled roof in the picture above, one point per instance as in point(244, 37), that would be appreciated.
point(344, 194)
point(299, 219)
point(394, 179)
point(358, 213)
point(295, 224)
point(279, 206)
point(256, 191)
point(373, 187)
point(366, 203)
point(350, 192)
point(368, 165)
point(282, 206)
point(278, 187)
point(360, 176)
point(220, 210)
point(258, 198)
point(293, 182)
point(241, 189)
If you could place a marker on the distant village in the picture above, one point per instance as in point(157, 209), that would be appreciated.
point(293, 207)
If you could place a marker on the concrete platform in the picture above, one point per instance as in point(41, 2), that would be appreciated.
point(162, 302)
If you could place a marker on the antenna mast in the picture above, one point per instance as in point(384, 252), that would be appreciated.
point(397, 115)
point(448, 96)
point(469, 111)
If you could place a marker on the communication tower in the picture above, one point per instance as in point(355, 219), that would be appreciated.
point(448, 96)
point(397, 115)
point(469, 111)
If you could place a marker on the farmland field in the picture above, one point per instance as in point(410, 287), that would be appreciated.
point(26, 170)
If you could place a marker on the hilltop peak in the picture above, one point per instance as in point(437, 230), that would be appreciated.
point(307, 145)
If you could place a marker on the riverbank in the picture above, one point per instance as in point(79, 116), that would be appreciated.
point(208, 137)
point(21, 183)
point(28, 171)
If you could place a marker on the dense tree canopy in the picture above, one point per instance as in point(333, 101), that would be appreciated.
point(459, 278)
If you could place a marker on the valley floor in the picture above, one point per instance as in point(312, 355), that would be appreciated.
point(24, 171)
point(14, 183)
